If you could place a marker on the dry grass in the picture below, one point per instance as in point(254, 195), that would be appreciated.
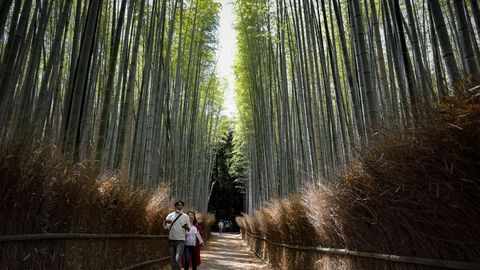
point(158, 206)
point(281, 221)
point(206, 221)
point(42, 192)
point(414, 193)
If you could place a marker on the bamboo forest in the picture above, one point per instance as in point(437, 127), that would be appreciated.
point(324, 134)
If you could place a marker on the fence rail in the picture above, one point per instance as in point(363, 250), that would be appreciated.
point(145, 263)
point(466, 265)
point(54, 236)
point(81, 250)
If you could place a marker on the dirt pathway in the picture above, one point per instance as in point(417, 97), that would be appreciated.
point(229, 252)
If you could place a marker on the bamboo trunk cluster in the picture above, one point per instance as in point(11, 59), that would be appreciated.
point(131, 84)
point(318, 78)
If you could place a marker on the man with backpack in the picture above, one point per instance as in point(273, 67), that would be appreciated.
point(177, 223)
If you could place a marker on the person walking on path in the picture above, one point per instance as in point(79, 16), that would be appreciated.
point(193, 241)
point(177, 223)
point(220, 226)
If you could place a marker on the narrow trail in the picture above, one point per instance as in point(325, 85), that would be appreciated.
point(229, 252)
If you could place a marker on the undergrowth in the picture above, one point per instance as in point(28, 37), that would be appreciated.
point(411, 193)
point(41, 191)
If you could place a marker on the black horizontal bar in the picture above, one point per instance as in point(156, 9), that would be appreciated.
point(56, 236)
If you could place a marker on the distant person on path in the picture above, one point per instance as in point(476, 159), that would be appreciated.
point(193, 241)
point(220, 226)
point(177, 223)
point(228, 225)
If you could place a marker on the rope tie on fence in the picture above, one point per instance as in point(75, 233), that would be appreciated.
point(468, 265)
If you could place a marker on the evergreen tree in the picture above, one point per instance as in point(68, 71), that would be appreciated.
point(228, 189)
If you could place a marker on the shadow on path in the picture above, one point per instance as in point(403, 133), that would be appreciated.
point(229, 252)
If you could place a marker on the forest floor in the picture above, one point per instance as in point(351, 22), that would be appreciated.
point(229, 252)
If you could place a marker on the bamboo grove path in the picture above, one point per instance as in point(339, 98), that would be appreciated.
point(229, 252)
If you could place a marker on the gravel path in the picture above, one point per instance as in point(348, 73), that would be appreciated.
point(229, 252)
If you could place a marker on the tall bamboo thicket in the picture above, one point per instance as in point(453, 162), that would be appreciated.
point(131, 84)
point(317, 79)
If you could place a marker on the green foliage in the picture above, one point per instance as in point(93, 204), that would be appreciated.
point(228, 176)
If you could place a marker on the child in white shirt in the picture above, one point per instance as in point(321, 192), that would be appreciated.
point(193, 241)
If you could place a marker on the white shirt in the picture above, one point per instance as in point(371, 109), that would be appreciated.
point(177, 232)
point(192, 236)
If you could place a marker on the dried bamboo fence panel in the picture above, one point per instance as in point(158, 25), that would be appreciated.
point(83, 251)
point(334, 258)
